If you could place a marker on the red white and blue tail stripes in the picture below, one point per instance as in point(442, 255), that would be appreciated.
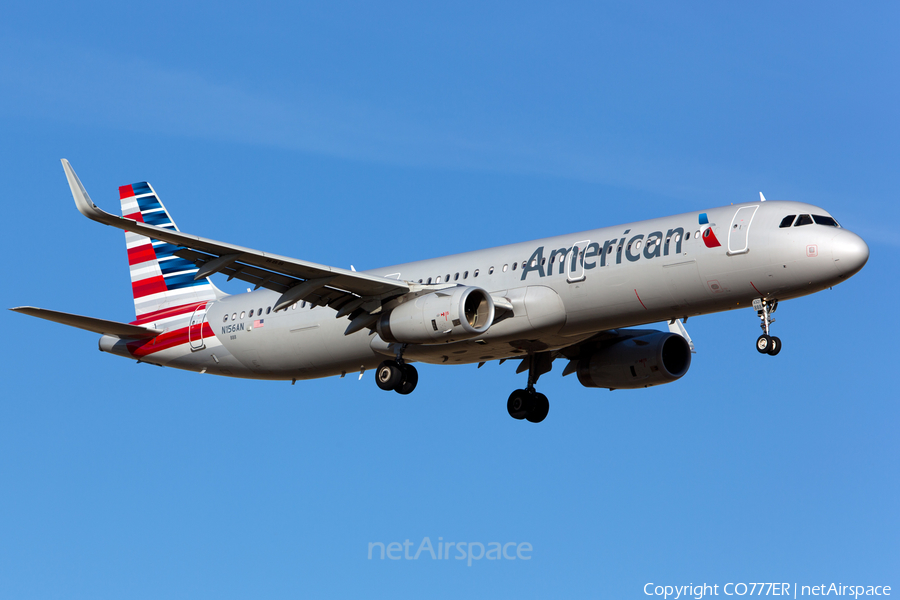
point(160, 280)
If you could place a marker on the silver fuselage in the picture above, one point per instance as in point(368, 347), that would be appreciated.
point(618, 279)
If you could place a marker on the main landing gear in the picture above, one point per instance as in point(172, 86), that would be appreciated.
point(529, 404)
point(397, 376)
point(766, 344)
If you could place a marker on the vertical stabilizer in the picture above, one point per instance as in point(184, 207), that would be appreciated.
point(159, 279)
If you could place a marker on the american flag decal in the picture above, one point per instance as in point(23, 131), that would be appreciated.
point(258, 323)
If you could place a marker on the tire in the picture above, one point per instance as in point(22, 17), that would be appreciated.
point(763, 344)
point(388, 375)
point(776, 346)
point(518, 404)
point(409, 381)
point(541, 407)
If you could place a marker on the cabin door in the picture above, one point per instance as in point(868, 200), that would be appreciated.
point(195, 329)
point(739, 232)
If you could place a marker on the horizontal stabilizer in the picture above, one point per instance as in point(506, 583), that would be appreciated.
point(122, 330)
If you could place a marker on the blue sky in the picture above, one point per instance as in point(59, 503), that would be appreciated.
point(377, 134)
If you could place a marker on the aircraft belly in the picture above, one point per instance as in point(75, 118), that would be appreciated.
point(297, 343)
point(346, 353)
point(473, 351)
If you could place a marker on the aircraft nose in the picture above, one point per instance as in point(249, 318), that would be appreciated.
point(850, 252)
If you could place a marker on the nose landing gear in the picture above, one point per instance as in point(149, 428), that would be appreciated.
point(766, 344)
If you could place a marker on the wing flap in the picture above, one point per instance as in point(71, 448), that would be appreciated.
point(102, 326)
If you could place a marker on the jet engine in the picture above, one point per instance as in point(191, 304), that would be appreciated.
point(636, 362)
point(449, 315)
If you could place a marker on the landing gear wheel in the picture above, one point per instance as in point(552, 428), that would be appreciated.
point(776, 346)
point(388, 375)
point(518, 404)
point(409, 380)
point(764, 344)
point(540, 409)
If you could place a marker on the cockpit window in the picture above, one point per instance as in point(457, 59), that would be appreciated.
point(823, 220)
point(803, 220)
point(786, 222)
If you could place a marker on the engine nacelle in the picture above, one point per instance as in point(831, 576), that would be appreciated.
point(637, 362)
point(449, 315)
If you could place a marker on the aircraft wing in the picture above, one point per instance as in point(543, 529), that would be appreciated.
point(294, 279)
point(122, 330)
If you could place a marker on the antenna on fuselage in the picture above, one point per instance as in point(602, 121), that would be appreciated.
point(761, 197)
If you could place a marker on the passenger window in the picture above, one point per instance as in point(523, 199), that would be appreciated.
point(242, 314)
point(429, 281)
point(514, 266)
point(786, 222)
point(234, 316)
point(823, 220)
point(303, 304)
point(465, 274)
point(259, 312)
point(294, 306)
point(803, 220)
point(438, 280)
point(543, 261)
point(456, 277)
point(491, 271)
point(505, 267)
point(447, 277)
point(475, 274)
point(268, 309)
point(251, 313)
point(696, 234)
point(225, 320)
point(420, 281)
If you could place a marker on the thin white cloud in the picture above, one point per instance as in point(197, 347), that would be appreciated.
point(75, 85)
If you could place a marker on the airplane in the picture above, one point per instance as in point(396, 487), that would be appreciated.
point(574, 297)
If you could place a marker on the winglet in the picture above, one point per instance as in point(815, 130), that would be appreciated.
point(83, 202)
point(761, 197)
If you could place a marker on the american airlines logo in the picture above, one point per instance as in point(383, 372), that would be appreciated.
point(595, 254)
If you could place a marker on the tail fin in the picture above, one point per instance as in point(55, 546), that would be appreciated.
point(159, 279)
